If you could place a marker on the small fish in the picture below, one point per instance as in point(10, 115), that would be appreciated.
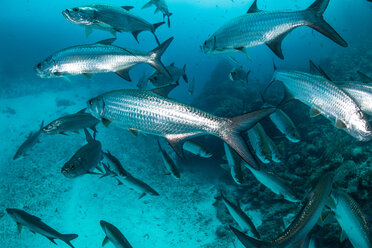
point(125, 178)
point(260, 143)
point(114, 235)
point(285, 125)
point(110, 18)
point(191, 86)
point(274, 183)
point(196, 149)
point(169, 163)
point(100, 57)
point(150, 112)
point(351, 219)
point(240, 217)
point(237, 74)
point(161, 6)
point(304, 222)
point(158, 79)
point(142, 82)
point(37, 226)
point(31, 140)
point(326, 98)
point(85, 160)
point(258, 27)
point(71, 123)
point(234, 164)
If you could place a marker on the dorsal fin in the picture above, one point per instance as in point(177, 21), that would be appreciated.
point(107, 41)
point(253, 8)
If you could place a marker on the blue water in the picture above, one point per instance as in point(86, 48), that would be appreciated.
point(188, 212)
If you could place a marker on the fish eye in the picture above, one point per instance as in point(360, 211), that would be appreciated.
point(75, 9)
point(205, 43)
point(38, 65)
point(155, 78)
point(90, 102)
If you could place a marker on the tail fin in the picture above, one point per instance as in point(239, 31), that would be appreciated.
point(314, 14)
point(155, 56)
point(68, 237)
point(248, 241)
point(231, 134)
point(154, 27)
point(184, 74)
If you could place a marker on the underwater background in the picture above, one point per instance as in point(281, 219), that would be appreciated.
point(188, 212)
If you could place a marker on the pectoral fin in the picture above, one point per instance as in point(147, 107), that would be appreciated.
point(343, 236)
point(105, 241)
point(87, 75)
point(314, 112)
point(340, 124)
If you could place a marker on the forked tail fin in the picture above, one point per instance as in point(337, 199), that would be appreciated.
point(231, 133)
point(155, 57)
point(68, 237)
point(314, 16)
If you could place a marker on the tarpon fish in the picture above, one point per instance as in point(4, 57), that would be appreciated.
point(359, 91)
point(161, 6)
point(258, 27)
point(234, 164)
point(196, 149)
point(151, 113)
point(71, 123)
point(237, 74)
point(37, 226)
point(285, 125)
point(260, 144)
point(305, 220)
point(85, 160)
point(125, 178)
point(351, 219)
point(240, 217)
point(114, 236)
point(158, 79)
point(191, 86)
point(110, 18)
point(275, 154)
point(326, 98)
point(169, 163)
point(99, 57)
point(274, 183)
point(142, 82)
point(31, 140)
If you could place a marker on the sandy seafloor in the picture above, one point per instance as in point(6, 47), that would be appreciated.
point(182, 216)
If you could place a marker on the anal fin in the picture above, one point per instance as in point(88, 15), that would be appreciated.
point(105, 241)
point(124, 74)
point(276, 45)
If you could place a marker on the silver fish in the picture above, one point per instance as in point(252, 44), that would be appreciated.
point(169, 163)
point(31, 140)
point(285, 125)
point(237, 74)
point(151, 113)
point(234, 164)
point(71, 123)
point(240, 217)
point(37, 226)
point(85, 160)
point(258, 27)
point(259, 141)
point(125, 178)
point(161, 6)
point(326, 98)
point(158, 79)
point(114, 235)
point(274, 183)
point(110, 18)
point(196, 148)
point(351, 219)
point(99, 57)
point(305, 220)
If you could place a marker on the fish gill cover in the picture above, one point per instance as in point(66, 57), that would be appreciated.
point(196, 117)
